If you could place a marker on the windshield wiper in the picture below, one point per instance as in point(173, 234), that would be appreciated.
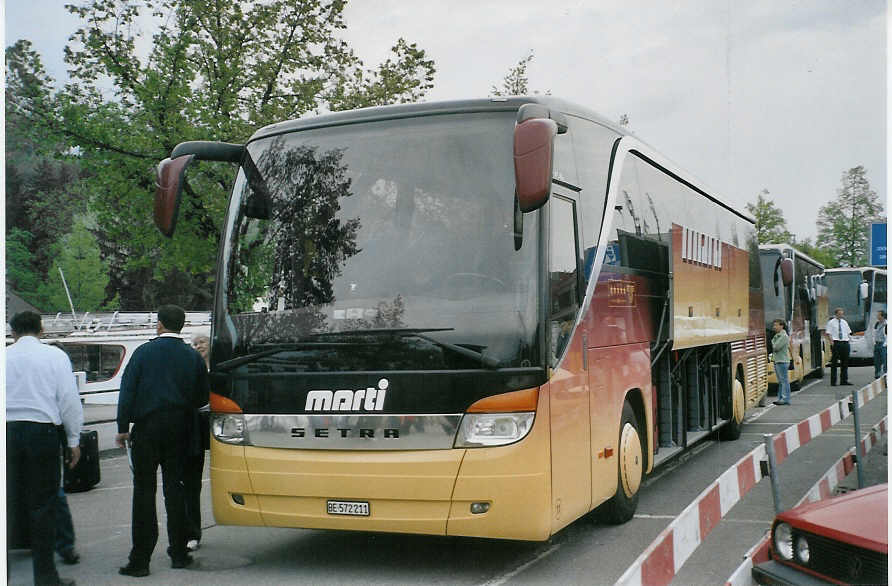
point(487, 361)
point(247, 358)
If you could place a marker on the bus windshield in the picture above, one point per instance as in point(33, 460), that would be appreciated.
point(386, 245)
point(842, 291)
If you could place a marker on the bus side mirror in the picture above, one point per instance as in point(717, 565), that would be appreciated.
point(786, 268)
point(863, 289)
point(169, 191)
point(533, 162)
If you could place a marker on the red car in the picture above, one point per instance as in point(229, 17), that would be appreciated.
point(843, 540)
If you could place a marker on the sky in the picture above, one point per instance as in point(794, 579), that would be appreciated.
point(782, 95)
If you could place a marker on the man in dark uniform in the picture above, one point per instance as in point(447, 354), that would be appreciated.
point(163, 385)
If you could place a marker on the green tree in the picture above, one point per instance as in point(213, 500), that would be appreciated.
point(214, 71)
point(771, 227)
point(516, 82)
point(85, 273)
point(42, 182)
point(21, 275)
point(844, 222)
point(822, 255)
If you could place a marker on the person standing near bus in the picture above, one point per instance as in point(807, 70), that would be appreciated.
point(41, 394)
point(780, 355)
point(163, 385)
point(840, 333)
point(879, 345)
point(195, 459)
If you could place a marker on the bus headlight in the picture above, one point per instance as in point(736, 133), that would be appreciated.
point(783, 541)
point(493, 429)
point(228, 428)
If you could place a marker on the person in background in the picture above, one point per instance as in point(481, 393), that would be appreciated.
point(879, 345)
point(780, 355)
point(41, 394)
point(65, 530)
point(164, 384)
point(195, 460)
point(840, 333)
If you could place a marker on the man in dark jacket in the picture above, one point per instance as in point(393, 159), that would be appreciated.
point(163, 385)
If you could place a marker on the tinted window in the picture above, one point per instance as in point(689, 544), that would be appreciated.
point(593, 144)
point(100, 362)
point(879, 288)
point(563, 273)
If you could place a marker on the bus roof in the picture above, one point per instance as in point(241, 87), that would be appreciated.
point(855, 270)
point(499, 104)
point(782, 247)
point(496, 104)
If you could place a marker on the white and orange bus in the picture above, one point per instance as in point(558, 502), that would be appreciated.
point(481, 318)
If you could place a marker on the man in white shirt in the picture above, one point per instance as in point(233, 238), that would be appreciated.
point(840, 334)
point(41, 394)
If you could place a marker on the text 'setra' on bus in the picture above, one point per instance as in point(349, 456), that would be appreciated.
point(481, 318)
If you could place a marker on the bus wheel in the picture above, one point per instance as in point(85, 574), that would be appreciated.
point(731, 430)
point(630, 470)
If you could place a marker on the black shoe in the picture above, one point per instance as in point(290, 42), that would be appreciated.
point(134, 571)
point(781, 403)
point(179, 563)
point(847, 384)
point(70, 556)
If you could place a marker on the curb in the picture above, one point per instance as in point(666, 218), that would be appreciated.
point(821, 490)
point(661, 560)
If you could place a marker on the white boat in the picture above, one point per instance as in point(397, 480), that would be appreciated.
point(101, 345)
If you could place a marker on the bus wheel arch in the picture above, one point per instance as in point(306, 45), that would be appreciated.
point(631, 455)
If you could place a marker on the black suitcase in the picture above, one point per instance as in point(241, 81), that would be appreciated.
point(85, 475)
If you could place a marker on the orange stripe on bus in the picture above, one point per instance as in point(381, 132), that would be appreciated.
point(221, 404)
point(525, 400)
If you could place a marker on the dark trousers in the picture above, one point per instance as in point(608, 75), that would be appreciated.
point(839, 357)
point(32, 482)
point(879, 360)
point(158, 439)
point(64, 524)
point(192, 482)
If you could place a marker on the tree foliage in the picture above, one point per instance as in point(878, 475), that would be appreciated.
point(212, 71)
point(820, 254)
point(843, 223)
point(85, 273)
point(771, 227)
point(516, 82)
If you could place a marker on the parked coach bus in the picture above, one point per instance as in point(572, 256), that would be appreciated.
point(480, 318)
point(861, 292)
point(800, 299)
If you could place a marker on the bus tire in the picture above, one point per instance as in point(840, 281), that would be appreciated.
point(731, 430)
point(630, 470)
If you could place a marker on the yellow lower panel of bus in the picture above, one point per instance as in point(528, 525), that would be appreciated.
point(229, 478)
point(406, 491)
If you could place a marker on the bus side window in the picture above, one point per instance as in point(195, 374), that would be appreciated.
point(879, 288)
point(563, 273)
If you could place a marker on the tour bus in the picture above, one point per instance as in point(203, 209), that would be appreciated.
point(803, 305)
point(861, 293)
point(480, 318)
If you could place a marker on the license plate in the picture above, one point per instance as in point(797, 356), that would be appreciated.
point(356, 508)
